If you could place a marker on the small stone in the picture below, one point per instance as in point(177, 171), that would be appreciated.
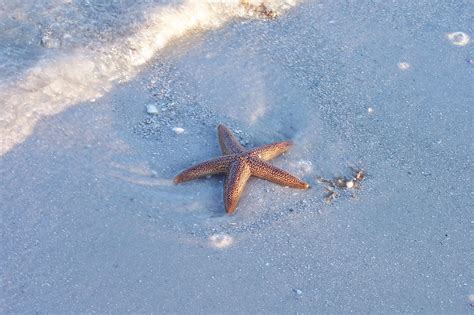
point(350, 184)
point(152, 109)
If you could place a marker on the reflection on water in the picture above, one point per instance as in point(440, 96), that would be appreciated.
point(72, 76)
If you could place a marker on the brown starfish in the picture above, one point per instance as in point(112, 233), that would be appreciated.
point(239, 164)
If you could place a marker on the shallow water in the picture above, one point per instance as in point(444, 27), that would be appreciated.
point(91, 54)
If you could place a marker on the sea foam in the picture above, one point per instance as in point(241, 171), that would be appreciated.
point(71, 77)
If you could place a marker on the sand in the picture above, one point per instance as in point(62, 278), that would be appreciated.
point(91, 221)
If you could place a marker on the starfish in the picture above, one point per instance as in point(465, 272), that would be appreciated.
point(239, 164)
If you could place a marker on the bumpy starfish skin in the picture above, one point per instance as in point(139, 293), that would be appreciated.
point(239, 164)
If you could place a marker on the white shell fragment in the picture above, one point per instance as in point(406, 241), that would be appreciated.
point(459, 38)
point(152, 109)
point(178, 130)
point(220, 241)
point(403, 65)
point(298, 291)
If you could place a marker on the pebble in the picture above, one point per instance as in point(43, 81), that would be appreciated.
point(152, 109)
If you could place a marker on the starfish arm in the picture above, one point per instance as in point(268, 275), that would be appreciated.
point(270, 151)
point(274, 174)
point(210, 167)
point(237, 177)
point(228, 142)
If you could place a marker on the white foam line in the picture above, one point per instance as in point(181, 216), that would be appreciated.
point(53, 85)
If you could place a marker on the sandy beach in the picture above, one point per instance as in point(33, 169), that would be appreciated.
point(101, 105)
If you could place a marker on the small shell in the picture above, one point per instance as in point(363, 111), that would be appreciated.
point(178, 130)
point(152, 109)
point(459, 38)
